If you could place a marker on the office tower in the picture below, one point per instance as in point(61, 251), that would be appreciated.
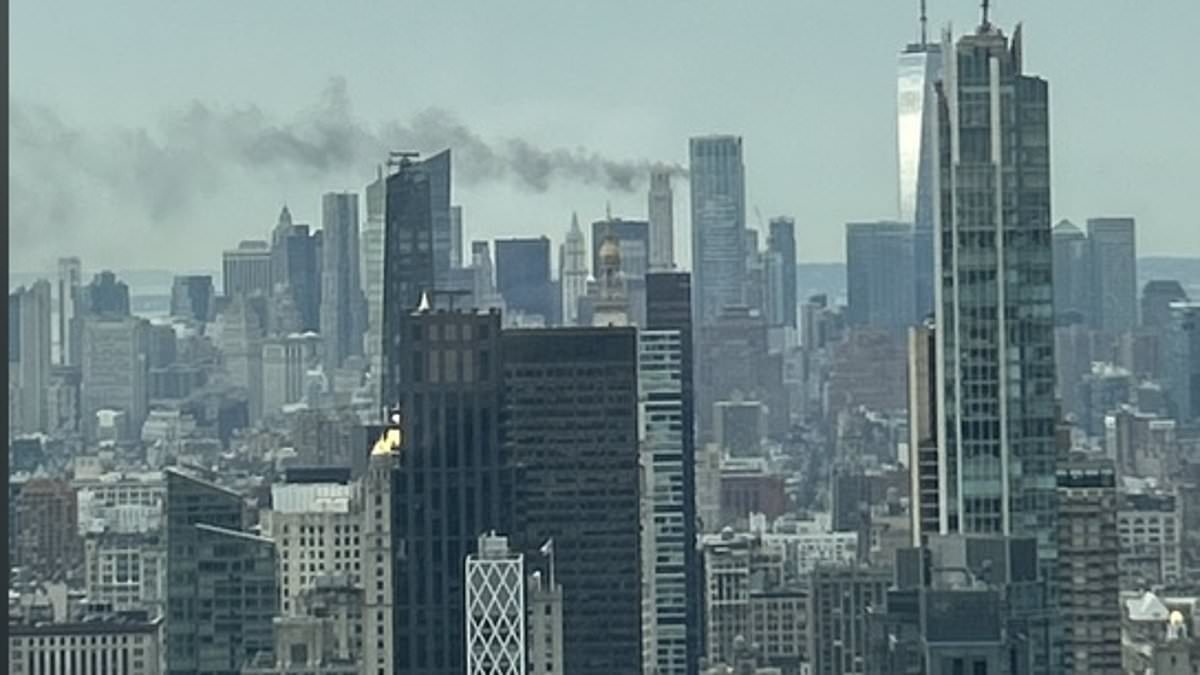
point(242, 333)
point(995, 316)
point(919, 69)
point(660, 380)
point(922, 432)
point(379, 545)
point(192, 297)
point(879, 276)
point(414, 199)
point(211, 558)
point(669, 308)
point(718, 192)
point(456, 237)
point(315, 527)
point(781, 242)
point(495, 601)
point(296, 268)
point(995, 337)
point(285, 361)
point(841, 598)
point(105, 295)
point(29, 347)
point(1183, 360)
point(451, 480)
point(1157, 296)
point(572, 272)
point(129, 644)
point(579, 481)
point(47, 532)
point(437, 170)
point(70, 279)
point(246, 270)
point(661, 214)
point(1089, 582)
point(371, 240)
point(115, 369)
point(1113, 254)
point(1072, 274)
point(754, 290)
point(341, 293)
point(734, 361)
point(523, 276)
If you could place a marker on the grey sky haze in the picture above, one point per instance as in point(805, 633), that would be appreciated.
point(101, 87)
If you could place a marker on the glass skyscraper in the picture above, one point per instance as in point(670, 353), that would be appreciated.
point(995, 323)
point(920, 66)
point(718, 180)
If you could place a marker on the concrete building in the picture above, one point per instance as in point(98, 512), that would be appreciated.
point(544, 627)
point(495, 602)
point(29, 352)
point(46, 530)
point(246, 270)
point(285, 360)
point(126, 570)
point(1149, 524)
point(661, 211)
point(568, 446)
point(841, 599)
point(718, 193)
point(379, 548)
point(129, 644)
point(572, 272)
point(343, 311)
point(1088, 556)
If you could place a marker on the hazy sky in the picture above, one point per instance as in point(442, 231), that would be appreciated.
point(150, 134)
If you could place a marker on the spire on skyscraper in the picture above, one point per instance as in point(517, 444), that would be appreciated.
point(924, 22)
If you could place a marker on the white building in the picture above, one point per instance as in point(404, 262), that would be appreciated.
point(661, 208)
point(128, 647)
point(572, 272)
point(126, 570)
point(316, 529)
point(495, 602)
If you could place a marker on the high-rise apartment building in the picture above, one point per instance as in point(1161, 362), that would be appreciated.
point(451, 480)
point(246, 270)
point(222, 589)
point(523, 277)
point(718, 193)
point(70, 280)
point(578, 484)
point(416, 196)
point(1112, 250)
point(919, 69)
point(342, 300)
point(879, 276)
point(660, 382)
point(1089, 579)
point(495, 609)
point(661, 213)
point(115, 368)
point(572, 272)
point(997, 410)
point(781, 279)
point(29, 350)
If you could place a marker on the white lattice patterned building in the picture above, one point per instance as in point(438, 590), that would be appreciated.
point(495, 609)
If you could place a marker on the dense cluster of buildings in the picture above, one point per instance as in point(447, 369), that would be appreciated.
point(379, 451)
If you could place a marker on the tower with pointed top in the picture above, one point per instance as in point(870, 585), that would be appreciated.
point(573, 272)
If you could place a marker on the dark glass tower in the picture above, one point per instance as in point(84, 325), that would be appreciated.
point(570, 425)
point(523, 276)
point(669, 307)
point(995, 318)
point(413, 198)
point(343, 306)
point(781, 241)
point(450, 481)
point(880, 288)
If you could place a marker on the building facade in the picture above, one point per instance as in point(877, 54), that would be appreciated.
point(880, 287)
point(718, 193)
point(130, 645)
point(495, 602)
point(572, 272)
point(1112, 250)
point(919, 69)
point(342, 302)
point(661, 211)
point(29, 355)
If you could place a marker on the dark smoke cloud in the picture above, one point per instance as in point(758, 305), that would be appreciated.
point(198, 149)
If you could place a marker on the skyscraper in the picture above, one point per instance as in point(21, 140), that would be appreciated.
point(523, 276)
point(246, 270)
point(106, 295)
point(192, 297)
point(1183, 360)
point(572, 272)
point(371, 240)
point(115, 368)
point(879, 276)
point(661, 210)
point(781, 242)
point(1113, 253)
point(578, 485)
point(411, 203)
point(1157, 296)
point(920, 67)
point(29, 342)
point(451, 480)
point(296, 268)
point(660, 378)
point(633, 237)
point(342, 301)
point(1072, 275)
point(495, 599)
point(995, 316)
point(437, 168)
point(456, 236)
point(718, 192)
point(70, 278)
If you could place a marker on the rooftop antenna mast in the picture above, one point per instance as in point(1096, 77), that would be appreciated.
point(986, 6)
point(924, 22)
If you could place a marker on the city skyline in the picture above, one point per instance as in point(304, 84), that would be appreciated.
point(847, 175)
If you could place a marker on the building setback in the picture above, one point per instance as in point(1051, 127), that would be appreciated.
point(571, 398)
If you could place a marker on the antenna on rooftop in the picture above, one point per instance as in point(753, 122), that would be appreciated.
point(924, 22)
point(986, 6)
